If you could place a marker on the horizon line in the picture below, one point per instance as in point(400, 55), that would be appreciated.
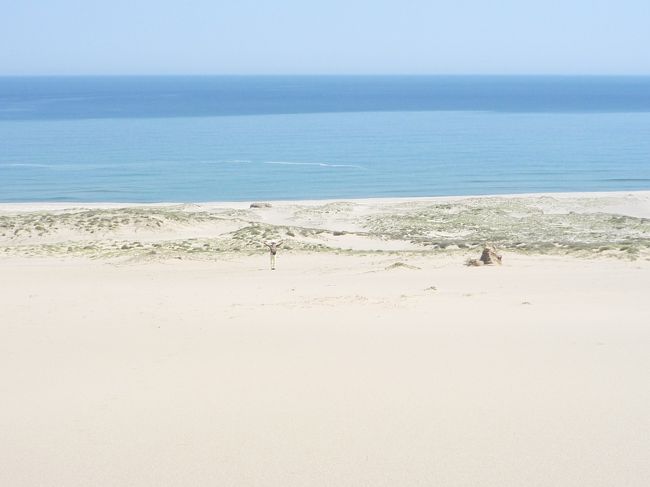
point(358, 75)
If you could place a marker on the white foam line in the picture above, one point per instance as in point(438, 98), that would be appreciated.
point(57, 167)
point(20, 164)
point(226, 161)
point(320, 164)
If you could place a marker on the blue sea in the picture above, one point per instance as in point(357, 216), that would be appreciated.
point(229, 138)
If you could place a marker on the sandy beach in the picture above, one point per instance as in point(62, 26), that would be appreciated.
point(151, 345)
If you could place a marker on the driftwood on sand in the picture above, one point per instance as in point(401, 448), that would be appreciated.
point(489, 256)
point(260, 205)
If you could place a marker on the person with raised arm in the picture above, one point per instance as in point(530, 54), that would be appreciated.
point(273, 249)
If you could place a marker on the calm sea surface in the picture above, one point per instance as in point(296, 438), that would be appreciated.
point(147, 139)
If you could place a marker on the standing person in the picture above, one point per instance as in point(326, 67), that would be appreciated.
point(273, 249)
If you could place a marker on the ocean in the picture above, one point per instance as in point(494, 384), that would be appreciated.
point(229, 138)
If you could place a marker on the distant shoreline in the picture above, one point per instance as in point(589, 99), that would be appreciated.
point(55, 205)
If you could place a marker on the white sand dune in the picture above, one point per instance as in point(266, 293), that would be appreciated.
point(333, 370)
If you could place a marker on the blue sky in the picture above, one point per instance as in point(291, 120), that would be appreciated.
point(324, 37)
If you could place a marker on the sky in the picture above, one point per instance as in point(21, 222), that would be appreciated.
point(70, 37)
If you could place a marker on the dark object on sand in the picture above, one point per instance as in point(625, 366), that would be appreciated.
point(401, 265)
point(489, 256)
point(260, 205)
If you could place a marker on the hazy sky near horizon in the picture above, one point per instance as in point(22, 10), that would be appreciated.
point(324, 37)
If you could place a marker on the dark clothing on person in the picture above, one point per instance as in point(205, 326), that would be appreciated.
point(273, 248)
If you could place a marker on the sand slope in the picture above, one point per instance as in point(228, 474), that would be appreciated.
point(333, 370)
